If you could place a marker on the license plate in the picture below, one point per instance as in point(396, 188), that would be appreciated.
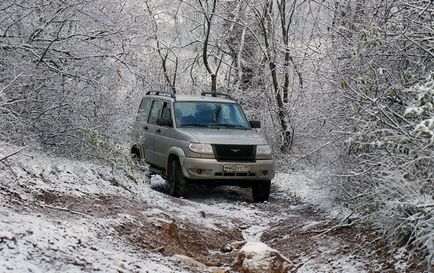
point(237, 168)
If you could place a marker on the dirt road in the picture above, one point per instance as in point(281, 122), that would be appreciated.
point(65, 216)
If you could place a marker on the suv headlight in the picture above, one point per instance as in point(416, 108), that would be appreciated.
point(263, 150)
point(201, 148)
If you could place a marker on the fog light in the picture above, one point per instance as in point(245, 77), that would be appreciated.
point(265, 172)
point(199, 171)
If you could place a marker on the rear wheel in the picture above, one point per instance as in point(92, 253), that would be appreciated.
point(177, 181)
point(261, 191)
point(135, 156)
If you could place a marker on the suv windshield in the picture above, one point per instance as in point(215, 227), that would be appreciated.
point(210, 114)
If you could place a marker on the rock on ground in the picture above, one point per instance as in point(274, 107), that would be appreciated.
point(257, 257)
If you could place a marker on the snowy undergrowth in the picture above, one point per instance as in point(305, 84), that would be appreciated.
point(391, 181)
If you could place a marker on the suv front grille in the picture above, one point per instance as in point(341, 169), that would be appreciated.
point(241, 153)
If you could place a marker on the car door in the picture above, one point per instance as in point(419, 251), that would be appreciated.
point(151, 129)
point(163, 136)
point(139, 133)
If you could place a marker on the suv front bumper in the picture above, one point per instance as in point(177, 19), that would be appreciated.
point(211, 169)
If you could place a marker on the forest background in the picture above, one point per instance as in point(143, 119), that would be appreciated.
point(343, 88)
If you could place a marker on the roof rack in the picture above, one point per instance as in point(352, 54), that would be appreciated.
point(215, 94)
point(161, 93)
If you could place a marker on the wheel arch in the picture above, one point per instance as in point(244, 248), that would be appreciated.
point(175, 153)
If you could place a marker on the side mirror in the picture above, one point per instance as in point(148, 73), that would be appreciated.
point(165, 122)
point(255, 124)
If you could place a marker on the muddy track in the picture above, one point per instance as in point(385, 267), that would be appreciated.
point(313, 240)
point(209, 222)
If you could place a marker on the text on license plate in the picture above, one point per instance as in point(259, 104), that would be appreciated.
point(237, 168)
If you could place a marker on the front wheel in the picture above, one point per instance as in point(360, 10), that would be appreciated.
point(176, 179)
point(261, 190)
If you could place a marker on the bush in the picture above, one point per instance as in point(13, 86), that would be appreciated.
point(395, 187)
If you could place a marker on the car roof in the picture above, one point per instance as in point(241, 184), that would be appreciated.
point(194, 98)
point(202, 98)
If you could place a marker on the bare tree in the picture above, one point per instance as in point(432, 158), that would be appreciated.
point(266, 17)
point(208, 15)
point(165, 52)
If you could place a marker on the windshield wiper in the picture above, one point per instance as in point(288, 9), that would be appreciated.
point(231, 125)
point(196, 125)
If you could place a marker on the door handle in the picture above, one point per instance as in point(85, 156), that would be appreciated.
point(145, 127)
point(158, 131)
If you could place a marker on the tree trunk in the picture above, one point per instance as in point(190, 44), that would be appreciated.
point(208, 20)
point(213, 83)
point(266, 26)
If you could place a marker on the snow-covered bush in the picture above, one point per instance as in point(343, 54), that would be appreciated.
point(392, 177)
point(423, 110)
point(406, 195)
point(384, 72)
point(394, 182)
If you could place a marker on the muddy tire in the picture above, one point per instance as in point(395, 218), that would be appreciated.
point(135, 157)
point(261, 191)
point(177, 181)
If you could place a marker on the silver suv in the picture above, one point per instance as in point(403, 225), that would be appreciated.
point(203, 139)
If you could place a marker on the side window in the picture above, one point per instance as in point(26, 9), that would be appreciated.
point(166, 111)
point(144, 108)
point(144, 105)
point(155, 111)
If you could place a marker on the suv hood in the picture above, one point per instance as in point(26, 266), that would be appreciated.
point(224, 136)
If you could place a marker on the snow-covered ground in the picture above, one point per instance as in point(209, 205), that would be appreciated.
point(39, 237)
point(60, 215)
point(308, 187)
